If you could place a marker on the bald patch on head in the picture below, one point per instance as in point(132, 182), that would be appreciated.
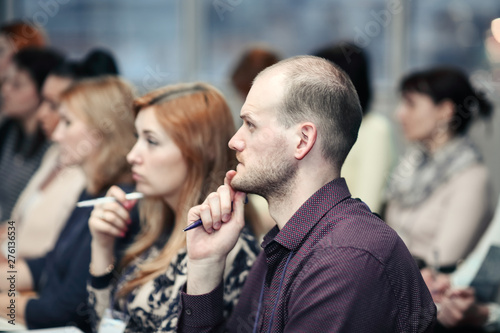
point(315, 90)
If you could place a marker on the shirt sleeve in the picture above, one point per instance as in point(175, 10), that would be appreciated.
point(201, 313)
point(208, 312)
point(57, 307)
point(354, 294)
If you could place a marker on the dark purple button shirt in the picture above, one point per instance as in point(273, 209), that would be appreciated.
point(347, 271)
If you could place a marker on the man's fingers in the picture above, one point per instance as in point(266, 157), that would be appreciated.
point(206, 217)
point(239, 208)
point(226, 196)
point(229, 176)
point(214, 201)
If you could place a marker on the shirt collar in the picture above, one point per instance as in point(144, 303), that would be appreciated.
point(269, 237)
point(308, 215)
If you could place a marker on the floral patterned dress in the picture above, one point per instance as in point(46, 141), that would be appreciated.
point(153, 307)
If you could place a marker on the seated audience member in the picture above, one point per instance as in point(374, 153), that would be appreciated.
point(14, 37)
point(50, 196)
point(329, 264)
point(22, 142)
point(367, 167)
point(469, 299)
point(251, 63)
point(95, 132)
point(438, 220)
point(180, 156)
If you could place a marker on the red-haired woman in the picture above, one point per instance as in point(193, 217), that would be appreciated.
point(181, 155)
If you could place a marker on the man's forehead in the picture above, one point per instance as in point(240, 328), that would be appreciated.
point(259, 113)
point(274, 76)
point(267, 91)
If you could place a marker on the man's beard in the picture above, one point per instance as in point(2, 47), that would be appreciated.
point(269, 179)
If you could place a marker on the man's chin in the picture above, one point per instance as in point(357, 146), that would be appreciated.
point(238, 184)
point(242, 186)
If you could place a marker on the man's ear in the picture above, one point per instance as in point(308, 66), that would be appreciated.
point(307, 135)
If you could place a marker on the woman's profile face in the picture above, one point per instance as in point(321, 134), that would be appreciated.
point(158, 166)
point(420, 118)
point(19, 94)
point(77, 140)
point(48, 111)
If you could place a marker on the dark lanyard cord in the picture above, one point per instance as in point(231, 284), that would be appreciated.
point(277, 297)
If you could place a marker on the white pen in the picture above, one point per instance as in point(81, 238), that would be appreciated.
point(98, 201)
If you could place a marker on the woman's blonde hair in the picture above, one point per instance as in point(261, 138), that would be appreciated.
point(105, 104)
point(197, 118)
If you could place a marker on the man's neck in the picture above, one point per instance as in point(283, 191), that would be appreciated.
point(304, 186)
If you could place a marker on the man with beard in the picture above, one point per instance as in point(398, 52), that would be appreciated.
point(329, 264)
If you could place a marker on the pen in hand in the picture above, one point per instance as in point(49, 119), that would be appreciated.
point(98, 201)
point(199, 222)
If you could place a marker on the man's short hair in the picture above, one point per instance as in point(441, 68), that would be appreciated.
point(318, 91)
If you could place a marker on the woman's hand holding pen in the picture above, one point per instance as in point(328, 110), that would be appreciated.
point(112, 219)
point(209, 245)
point(107, 222)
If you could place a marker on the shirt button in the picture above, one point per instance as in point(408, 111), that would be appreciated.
point(188, 311)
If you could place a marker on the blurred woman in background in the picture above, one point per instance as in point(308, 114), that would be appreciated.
point(49, 198)
point(95, 132)
point(180, 156)
point(439, 196)
point(14, 37)
point(22, 141)
point(372, 157)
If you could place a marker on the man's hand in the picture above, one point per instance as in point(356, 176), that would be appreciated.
point(209, 245)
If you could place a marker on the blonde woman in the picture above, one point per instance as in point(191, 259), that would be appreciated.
point(95, 133)
point(180, 156)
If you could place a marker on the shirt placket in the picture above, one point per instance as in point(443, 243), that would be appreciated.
point(276, 256)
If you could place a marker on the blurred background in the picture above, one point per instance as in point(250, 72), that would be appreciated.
point(157, 42)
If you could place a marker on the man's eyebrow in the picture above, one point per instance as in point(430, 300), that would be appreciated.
point(246, 116)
